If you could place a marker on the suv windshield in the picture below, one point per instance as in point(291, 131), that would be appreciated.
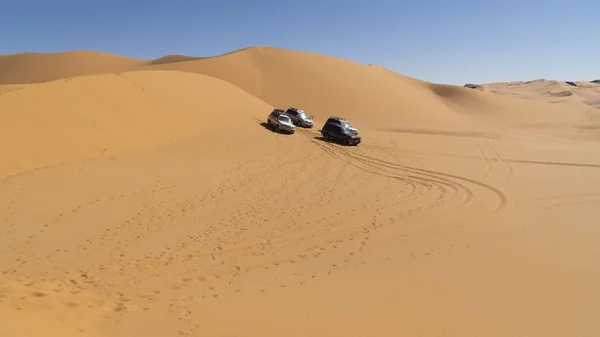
point(346, 124)
point(302, 115)
point(284, 119)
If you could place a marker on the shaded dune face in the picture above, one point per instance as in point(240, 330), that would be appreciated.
point(150, 198)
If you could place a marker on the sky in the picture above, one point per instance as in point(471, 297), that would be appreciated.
point(441, 41)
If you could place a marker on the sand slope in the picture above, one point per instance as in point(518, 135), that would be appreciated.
point(106, 115)
point(23, 68)
point(289, 78)
point(37, 67)
point(358, 92)
point(36, 309)
point(10, 87)
point(153, 201)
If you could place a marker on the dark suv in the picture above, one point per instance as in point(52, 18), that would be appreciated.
point(342, 122)
point(337, 132)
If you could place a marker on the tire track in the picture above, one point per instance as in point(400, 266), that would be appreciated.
point(561, 200)
point(504, 162)
point(408, 173)
point(407, 178)
point(488, 163)
point(328, 238)
point(456, 187)
point(469, 157)
point(440, 177)
point(502, 198)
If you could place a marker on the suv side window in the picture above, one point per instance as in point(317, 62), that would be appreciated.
point(335, 128)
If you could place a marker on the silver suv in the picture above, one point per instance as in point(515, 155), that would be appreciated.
point(299, 117)
point(280, 122)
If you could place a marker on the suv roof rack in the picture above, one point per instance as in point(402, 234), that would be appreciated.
point(338, 118)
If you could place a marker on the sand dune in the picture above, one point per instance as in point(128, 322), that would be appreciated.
point(23, 68)
point(37, 67)
point(285, 78)
point(146, 198)
point(549, 91)
point(289, 78)
point(107, 115)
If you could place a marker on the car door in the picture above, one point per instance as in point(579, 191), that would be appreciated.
point(336, 132)
point(273, 118)
point(330, 131)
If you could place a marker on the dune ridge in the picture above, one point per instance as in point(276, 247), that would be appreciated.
point(399, 98)
point(26, 68)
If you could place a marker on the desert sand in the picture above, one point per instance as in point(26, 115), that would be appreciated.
point(552, 91)
point(146, 198)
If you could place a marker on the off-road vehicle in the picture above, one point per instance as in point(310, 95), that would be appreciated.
point(338, 133)
point(299, 117)
point(342, 122)
point(280, 122)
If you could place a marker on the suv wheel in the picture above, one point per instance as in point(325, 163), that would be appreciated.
point(326, 136)
point(345, 141)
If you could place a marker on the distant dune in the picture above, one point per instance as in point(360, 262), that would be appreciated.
point(149, 198)
point(37, 67)
point(172, 59)
point(549, 91)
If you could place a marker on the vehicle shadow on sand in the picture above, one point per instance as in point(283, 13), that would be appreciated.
point(266, 126)
point(321, 138)
point(330, 141)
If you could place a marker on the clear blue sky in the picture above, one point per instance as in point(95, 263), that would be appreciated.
point(442, 41)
